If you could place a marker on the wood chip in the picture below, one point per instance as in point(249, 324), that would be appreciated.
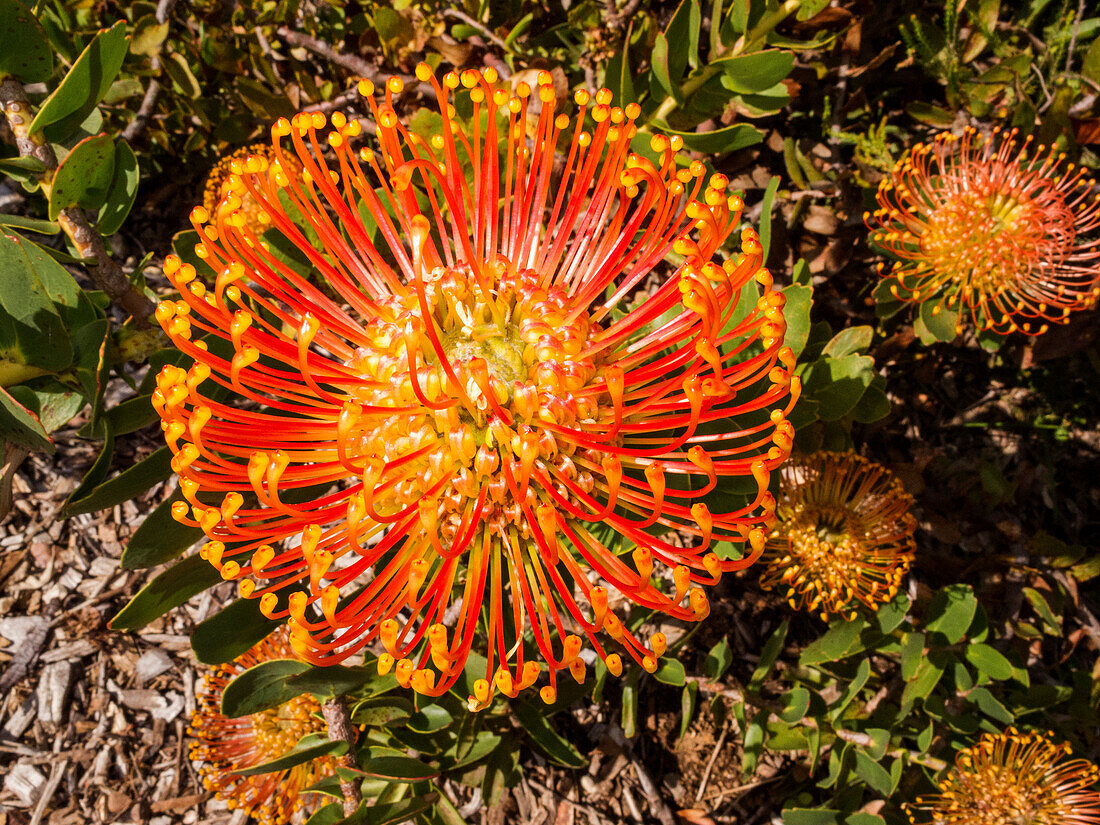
point(53, 692)
point(26, 782)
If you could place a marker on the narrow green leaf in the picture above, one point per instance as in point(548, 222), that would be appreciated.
point(127, 485)
point(261, 687)
point(398, 769)
point(810, 816)
point(96, 473)
point(871, 772)
point(311, 747)
point(168, 590)
point(840, 640)
point(863, 673)
point(555, 746)
point(42, 227)
point(765, 230)
point(659, 63)
point(797, 313)
point(718, 660)
point(230, 632)
point(912, 653)
point(85, 84)
point(1040, 605)
point(688, 699)
point(158, 539)
point(719, 141)
point(989, 661)
point(768, 656)
point(990, 705)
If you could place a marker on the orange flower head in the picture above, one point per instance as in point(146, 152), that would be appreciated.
point(225, 745)
point(844, 535)
point(1004, 231)
point(1009, 778)
point(491, 401)
point(220, 191)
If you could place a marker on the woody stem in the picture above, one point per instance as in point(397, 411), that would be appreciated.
point(335, 711)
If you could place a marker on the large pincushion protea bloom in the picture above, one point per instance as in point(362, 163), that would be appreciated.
point(1004, 232)
point(1009, 778)
point(471, 397)
point(225, 746)
point(844, 535)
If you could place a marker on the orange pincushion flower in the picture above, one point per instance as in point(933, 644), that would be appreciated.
point(470, 392)
point(845, 534)
point(226, 745)
point(1004, 232)
point(1010, 778)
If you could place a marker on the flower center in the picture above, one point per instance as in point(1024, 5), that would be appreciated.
point(469, 394)
point(278, 729)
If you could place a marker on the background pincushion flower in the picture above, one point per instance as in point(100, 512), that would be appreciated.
point(1011, 777)
point(844, 534)
point(468, 392)
point(218, 185)
point(224, 745)
point(1005, 231)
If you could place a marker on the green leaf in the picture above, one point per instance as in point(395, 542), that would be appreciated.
point(864, 818)
point(659, 63)
point(951, 611)
point(931, 115)
point(52, 403)
point(25, 51)
point(32, 331)
point(261, 687)
point(168, 590)
point(85, 84)
point(122, 192)
point(719, 141)
point(863, 673)
point(797, 314)
point(755, 73)
point(132, 415)
point(837, 384)
point(381, 711)
point(391, 813)
point(312, 746)
point(989, 661)
point(555, 746)
point(330, 814)
point(617, 76)
point(874, 404)
point(430, 719)
point(796, 702)
point(718, 660)
point(177, 68)
point(671, 672)
point(912, 653)
point(42, 227)
point(886, 305)
point(158, 539)
point(935, 322)
point(230, 632)
point(848, 341)
point(85, 176)
point(989, 705)
point(927, 676)
point(398, 769)
point(1040, 605)
point(810, 816)
point(892, 614)
point(333, 680)
point(688, 699)
point(19, 426)
point(871, 772)
point(148, 36)
point(683, 32)
point(765, 230)
point(768, 656)
point(127, 485)
point(840, 641)
point(806, 10)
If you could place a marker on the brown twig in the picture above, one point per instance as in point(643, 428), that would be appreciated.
point(711, 762)
point(105, 272)
point(482, 29)
point(353, 63)
point(335, 711)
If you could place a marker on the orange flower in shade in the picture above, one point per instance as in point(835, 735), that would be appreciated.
point(432, 427)
point(1010, 778)
point(227, 745)
point(844, 536)
point(217, 186)
point(1004, 231)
